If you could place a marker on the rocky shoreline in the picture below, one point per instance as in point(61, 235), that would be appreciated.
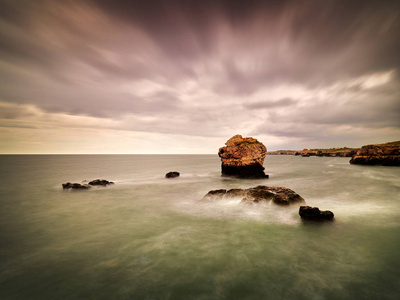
point(379, 154)
point(334, 152)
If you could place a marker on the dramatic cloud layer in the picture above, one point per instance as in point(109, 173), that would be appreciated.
point(183, 76)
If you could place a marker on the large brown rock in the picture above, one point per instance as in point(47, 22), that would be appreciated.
point(243, 157)
point(381, 154)
point(277, 194)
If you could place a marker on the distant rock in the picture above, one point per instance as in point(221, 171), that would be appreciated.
point(313, 213)
point(75, 186)
point(102, 182)
point(85, 186)
point(172, 174)
point(243, 157)
point(276, 194)
point(381, 154)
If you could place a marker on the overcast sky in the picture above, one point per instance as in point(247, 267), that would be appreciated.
point(184, 76)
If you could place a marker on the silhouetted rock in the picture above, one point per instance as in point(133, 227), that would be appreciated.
point(102, 182)
point(381, 154)
point(172, 174)
point(277, 194)
point(243, 157)
point(75, 186)
point(313, 213)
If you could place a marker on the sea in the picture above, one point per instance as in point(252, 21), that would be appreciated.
point(149, 237)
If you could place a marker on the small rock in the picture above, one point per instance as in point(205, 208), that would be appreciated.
point(100, 182)
point(313, 213)
point(76, 186)
point(172, 174)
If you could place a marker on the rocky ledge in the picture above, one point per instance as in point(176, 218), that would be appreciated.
point(243, 157)
point(276, 194)
point(313, 213)
point(381, 154)
point(85, 186)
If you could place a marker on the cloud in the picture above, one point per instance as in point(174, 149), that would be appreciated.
point(270, 104)
point(281, 69)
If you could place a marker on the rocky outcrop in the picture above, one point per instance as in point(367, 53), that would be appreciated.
point(380, 154)
point(277, 194)
point(243, 157)
point(313, 213)
point(102, 182)
point(172, 174)
point(75, 186)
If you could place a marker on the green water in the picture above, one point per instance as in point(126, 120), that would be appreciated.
point(148, 237)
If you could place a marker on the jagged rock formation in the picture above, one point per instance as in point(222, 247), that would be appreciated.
point(276, 194)
point(172, 174)
point(243, 157)
point(381, 154)
point(313, 213)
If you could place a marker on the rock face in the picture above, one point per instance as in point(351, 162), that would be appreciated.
point(243, 157)
point(381, 154)
point(313, 213)
point(75, 186)
point(102, 182)
point(277, 194)
point(172, 174)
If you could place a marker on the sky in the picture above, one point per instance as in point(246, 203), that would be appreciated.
point(180, 77)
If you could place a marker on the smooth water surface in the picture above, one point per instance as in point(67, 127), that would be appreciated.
point(148, 237)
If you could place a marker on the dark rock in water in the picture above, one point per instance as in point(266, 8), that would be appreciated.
point(313, 213)
point(102, 182)
point(172, 174)
point(235, 193)
point(216, 193)
point(277, 194)
point(76, 186)
point(243, 158)
point(381, 154)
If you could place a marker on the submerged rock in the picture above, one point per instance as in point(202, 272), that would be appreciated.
point(277, 194)
point(172, 174)
point(243, 157)
point(76, 186)
point(102, 182)
point(313, 213)
point(381, 154)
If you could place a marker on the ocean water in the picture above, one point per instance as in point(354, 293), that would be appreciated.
point(148, 237)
